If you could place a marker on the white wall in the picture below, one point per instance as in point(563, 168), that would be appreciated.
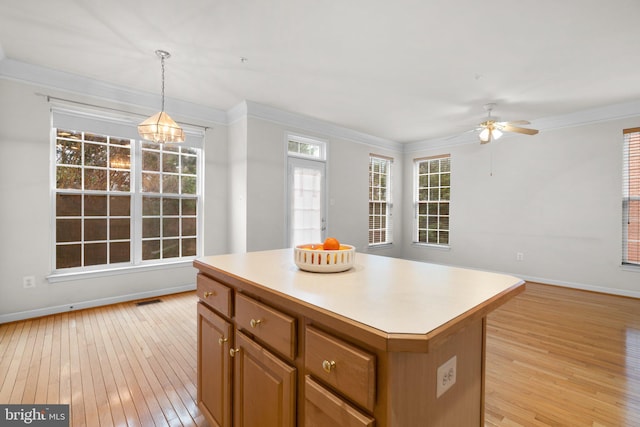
point(554, 197)
point(25, 216)
point(347, 173)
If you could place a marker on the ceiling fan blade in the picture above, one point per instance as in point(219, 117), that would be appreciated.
point(509, 128)
point(517, 122)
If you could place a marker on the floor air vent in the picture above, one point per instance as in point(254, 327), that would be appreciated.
point(149, 301)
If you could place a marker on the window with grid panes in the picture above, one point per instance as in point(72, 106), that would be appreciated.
point(379, 200)
point(122, 202)
point(631, 197)
point(432, 199)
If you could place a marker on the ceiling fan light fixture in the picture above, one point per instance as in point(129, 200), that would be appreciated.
point(496, 134)
point(485, 135)
point(161, 128)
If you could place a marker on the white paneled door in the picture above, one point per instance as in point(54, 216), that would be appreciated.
point(306, 200)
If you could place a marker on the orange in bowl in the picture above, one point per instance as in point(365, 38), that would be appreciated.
point(331, 244)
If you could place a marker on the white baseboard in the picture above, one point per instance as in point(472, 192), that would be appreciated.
point(29, 314)
point(581, 286)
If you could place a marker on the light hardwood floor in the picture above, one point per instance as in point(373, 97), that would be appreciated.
point(556, 357)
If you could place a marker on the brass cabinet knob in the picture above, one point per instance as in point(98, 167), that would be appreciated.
point(254, 323)
point(208, 294)
point(328, 365)
point(222, 340)
point(233, 351)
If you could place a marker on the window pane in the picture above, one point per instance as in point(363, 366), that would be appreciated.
point(95, 253)
point(170, 184)
point(170, 162)
point(150, 161)
point(69, 230)
point(68, 256)
point(95, 155)
point(151, 227)
point(170, 227)
point(189, 164)
point(119, 180)
point(68, 152)
point(189, 227)
point(95, 179)
point(170, 248)
point(120, 158)
point(151, 182)
point(119, 252)
point(68, 205)
point(188, 206)
point(120, 205)
point(151, 249)
point(69, 178)
point(188, 247)
point(95, 229)
point(170, 206)
point(150, 206)
point(188, 185)
point(95, 205)
point(119, 229)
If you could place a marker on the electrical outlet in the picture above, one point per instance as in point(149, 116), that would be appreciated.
point(446, 376)
point(28, 282)
point(519, 256)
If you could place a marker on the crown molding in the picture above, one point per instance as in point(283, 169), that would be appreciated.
point(72, 83)
point(299, 121)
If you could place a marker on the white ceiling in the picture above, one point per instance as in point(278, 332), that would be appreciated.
point(404, 70)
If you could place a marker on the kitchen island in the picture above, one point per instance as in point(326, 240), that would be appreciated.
point(389, 342)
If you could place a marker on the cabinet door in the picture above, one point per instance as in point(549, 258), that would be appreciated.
point(323, 408)
point(264, 387)
point(214, 370)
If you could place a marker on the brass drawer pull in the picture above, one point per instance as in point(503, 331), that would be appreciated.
point(233, 351)
point(222, 340)
point(255, 323)
point(328, 365)
point(208, 294)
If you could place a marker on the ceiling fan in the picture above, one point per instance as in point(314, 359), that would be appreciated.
point(492, 129)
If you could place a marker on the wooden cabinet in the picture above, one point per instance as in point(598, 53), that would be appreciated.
point(264, 387)
point(214, 370)
point(241, 382)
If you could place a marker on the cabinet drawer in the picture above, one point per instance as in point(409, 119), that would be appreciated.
point(214, 294)
point(348, 369)
point(275, 329)
point(323, 408)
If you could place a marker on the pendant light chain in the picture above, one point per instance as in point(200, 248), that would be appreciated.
point(162, 56)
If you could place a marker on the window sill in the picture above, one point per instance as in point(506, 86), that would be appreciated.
point(380, 246)
point(631, 267)
point(90, 274)
point(432, 246)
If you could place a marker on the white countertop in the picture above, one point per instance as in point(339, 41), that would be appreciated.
point(390, 294)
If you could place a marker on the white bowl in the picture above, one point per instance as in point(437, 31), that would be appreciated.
point(324, 261)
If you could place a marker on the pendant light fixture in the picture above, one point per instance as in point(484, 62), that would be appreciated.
point(160, 127)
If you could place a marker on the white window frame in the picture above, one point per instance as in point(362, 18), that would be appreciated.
point(387, 201)
point(102, 122)
point(630, 182)
point(418, 226)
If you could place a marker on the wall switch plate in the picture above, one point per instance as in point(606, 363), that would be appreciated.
point(519, 256)
point(446, 376)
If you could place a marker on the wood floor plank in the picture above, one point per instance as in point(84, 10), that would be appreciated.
point(555, 357)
